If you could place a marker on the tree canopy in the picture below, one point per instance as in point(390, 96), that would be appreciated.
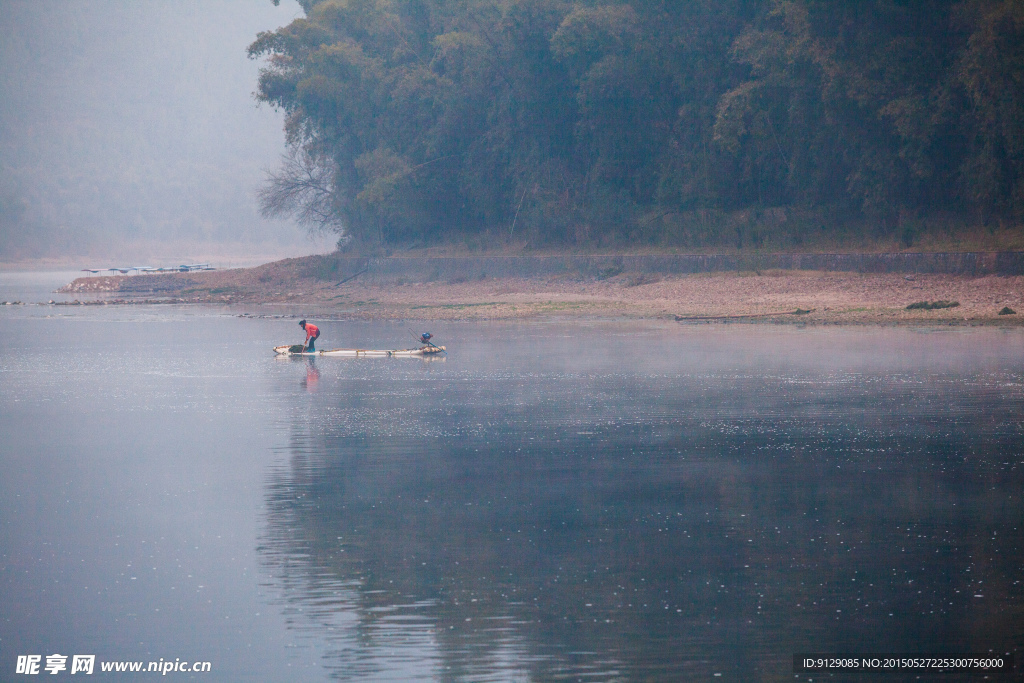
point(660, 121)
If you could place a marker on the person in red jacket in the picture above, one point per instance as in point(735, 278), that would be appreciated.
point(312, 332)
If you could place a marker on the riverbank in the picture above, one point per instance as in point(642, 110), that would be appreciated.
point(317, 287)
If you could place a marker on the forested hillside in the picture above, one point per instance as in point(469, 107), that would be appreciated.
point(665, 122)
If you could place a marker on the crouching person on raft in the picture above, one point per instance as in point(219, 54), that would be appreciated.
point(312, 332)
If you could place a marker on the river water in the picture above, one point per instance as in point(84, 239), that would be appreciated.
point(551, 501)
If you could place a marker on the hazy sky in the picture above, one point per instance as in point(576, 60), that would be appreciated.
point(127, 121)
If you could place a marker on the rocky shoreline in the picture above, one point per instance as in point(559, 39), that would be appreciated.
point(780, 296)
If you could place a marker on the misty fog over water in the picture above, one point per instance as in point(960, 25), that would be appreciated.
point(130, 128)
point(543, 503)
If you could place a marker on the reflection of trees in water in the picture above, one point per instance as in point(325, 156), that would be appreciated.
point(657, 549)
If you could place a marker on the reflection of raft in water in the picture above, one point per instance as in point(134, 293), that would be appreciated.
point(297, 350)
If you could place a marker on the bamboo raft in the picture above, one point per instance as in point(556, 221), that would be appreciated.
point(297, 350)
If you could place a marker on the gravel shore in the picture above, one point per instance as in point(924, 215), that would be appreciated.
point(773, 296)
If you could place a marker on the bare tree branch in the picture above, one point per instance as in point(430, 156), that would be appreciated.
point(303, 188)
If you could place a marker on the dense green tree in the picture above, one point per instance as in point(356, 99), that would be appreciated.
point(590, 121)
point(991, 72)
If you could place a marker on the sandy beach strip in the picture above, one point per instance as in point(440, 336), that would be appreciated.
point(773, 296)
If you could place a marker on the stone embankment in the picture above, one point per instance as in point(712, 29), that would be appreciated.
point(128, 284)
point(449, 268)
